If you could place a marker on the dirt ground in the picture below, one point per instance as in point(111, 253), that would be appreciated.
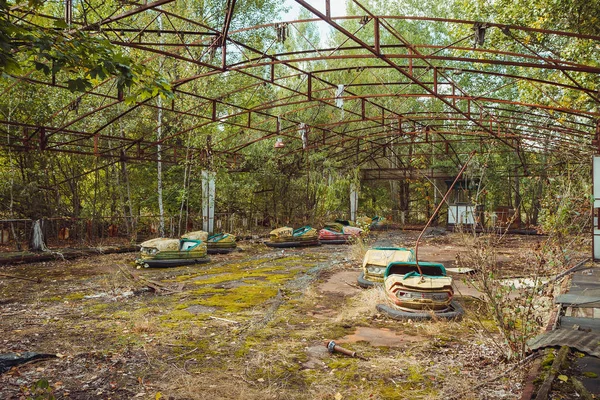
point(248, 325)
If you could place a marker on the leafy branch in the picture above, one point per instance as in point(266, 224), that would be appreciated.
point(86, 59)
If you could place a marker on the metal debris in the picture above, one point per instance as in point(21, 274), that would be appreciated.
point(586, 342)
point(334, 348)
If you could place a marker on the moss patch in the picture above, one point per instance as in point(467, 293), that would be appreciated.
point(237, 299)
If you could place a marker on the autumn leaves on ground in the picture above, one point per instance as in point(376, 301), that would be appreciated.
point(248, 325)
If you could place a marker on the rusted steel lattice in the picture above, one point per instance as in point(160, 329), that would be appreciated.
point(352, 94)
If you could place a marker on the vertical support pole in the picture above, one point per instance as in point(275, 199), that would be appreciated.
point(272, 79)
point(353, 200)
point(596, 140)
point(596, 208)
point(214, 110)
point(328, 9)
point(309, 89)
point(96, 145)
point(68, 12)
point(208, 201)
point(208, 190)
point(249, 119)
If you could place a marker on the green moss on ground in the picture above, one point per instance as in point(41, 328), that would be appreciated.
point(237, 299)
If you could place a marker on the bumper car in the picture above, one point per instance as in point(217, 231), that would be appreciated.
point(419, 296)
point(376, 261)
point(164, 252)
point(377, 222)
point(371, 223)
point(365, 222)
point(221, 243)
point(336, 233)
point(290, 237)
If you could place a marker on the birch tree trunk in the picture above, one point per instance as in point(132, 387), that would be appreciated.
point(159, 189)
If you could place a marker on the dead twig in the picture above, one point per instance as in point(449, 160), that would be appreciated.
point(37, 280)
point(352, 284)
point(179, 368)
point(571, 270)
point(181, 355)
point(224, 319)
point(245, 380)
point(147, 357)
point(156, 286)
point(185, 364)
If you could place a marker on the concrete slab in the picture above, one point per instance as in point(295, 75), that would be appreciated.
point(343, 282)
point(585, 342)
point(465, 288)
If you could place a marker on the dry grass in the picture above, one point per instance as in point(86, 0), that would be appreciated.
point(115, 281)
point(269, 351)
point(144, 326)
point(269, 373)
point(358, 248)
point(363, 305)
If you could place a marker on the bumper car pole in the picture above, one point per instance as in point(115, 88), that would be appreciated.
point(438, 209)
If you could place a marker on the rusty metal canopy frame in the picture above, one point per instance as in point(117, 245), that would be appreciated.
point(394, 92)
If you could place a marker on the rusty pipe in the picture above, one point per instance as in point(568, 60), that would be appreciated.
point(334, 348)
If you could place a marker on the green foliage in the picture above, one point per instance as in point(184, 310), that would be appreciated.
point(83, 57)
point(40, 390)
point(271, 186)
point(518, 306)
point(572, 15)
point(564, 210)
